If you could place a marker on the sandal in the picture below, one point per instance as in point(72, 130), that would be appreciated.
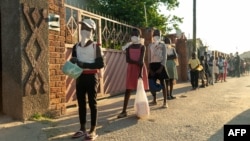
point(79, 134)
point(122, 115)
point(173, 97)
point(90, 136)
point(153, 103)
point(165, 105)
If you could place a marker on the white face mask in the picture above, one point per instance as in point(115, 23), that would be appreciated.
point(156, 38)
point(135, 39)
point(86, 34)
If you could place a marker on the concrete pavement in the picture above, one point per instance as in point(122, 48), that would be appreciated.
point(194, 116)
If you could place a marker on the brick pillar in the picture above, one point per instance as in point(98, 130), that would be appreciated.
point(25, 89)
point(57, 59)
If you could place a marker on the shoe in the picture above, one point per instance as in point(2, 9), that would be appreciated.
point(79, 134)
point(90, 136)
point(122, 115)
point(173, 97)
point(169, 98)
point(165, 105)
point(202, 86)
point(152, 103)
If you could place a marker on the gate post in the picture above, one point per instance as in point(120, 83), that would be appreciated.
point(25, 54)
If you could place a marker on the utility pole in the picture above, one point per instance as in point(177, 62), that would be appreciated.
point(194, 26)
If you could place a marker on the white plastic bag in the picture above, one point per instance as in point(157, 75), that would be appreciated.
point(141, 106)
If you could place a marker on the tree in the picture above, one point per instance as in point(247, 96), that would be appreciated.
point(133, 12)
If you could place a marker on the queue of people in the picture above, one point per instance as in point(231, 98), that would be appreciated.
point(87, 54)
point(162, 56)
point(215, 69)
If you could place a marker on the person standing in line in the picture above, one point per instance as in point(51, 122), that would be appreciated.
point(135, 54)
point(193, 64)
point(225, 68)
point(221, 68)
point(231, 65)
point(88, 55)
point(204, 73)
point(171, 68)
point(216, 69)
point(207, 69)
point(157, 65)
point(211, 66)
point(237, 65)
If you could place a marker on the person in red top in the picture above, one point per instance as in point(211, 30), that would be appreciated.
point(136, 68)
point(88, 55)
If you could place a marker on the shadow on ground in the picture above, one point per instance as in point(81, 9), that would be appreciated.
point(242, 119)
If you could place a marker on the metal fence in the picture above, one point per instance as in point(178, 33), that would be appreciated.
point(112, 34)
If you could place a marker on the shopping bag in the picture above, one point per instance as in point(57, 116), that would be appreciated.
point(72, 70)
point(141, 106)
point(153, 86)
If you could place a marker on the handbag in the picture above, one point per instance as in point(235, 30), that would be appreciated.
point(153, 86)
point(72, 70)
point(200, 67)
point(141, 106)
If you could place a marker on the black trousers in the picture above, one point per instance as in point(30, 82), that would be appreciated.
point(87, 85)
point(194, 78)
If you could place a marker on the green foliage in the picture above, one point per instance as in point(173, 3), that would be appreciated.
point(133, 12)
point(40, 117)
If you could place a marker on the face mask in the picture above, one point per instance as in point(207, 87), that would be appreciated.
point(156, 38)
point(135, 39)
point(86, 34)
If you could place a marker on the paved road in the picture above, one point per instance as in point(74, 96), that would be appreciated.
point(194, 116)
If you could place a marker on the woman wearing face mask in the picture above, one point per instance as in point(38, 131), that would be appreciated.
point(87, 54)
point(171, 68)
point(157, 66)
point(136, 68)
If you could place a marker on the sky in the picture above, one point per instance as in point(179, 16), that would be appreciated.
point(222, 25)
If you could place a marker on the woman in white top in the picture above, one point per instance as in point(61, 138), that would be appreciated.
point(216, 69)
point(88, 55)
point(157, 66)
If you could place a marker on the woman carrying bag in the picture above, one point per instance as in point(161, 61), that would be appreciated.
point(136, 68)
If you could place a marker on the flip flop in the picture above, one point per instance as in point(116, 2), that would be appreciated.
point(79, 134)
point(89, 137)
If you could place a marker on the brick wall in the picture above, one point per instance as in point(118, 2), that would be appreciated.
point(57, 58)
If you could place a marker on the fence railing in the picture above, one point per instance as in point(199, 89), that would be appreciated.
point(110, 33)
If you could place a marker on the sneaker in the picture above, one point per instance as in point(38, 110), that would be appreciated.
point(169, 98)
point(122, 115)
